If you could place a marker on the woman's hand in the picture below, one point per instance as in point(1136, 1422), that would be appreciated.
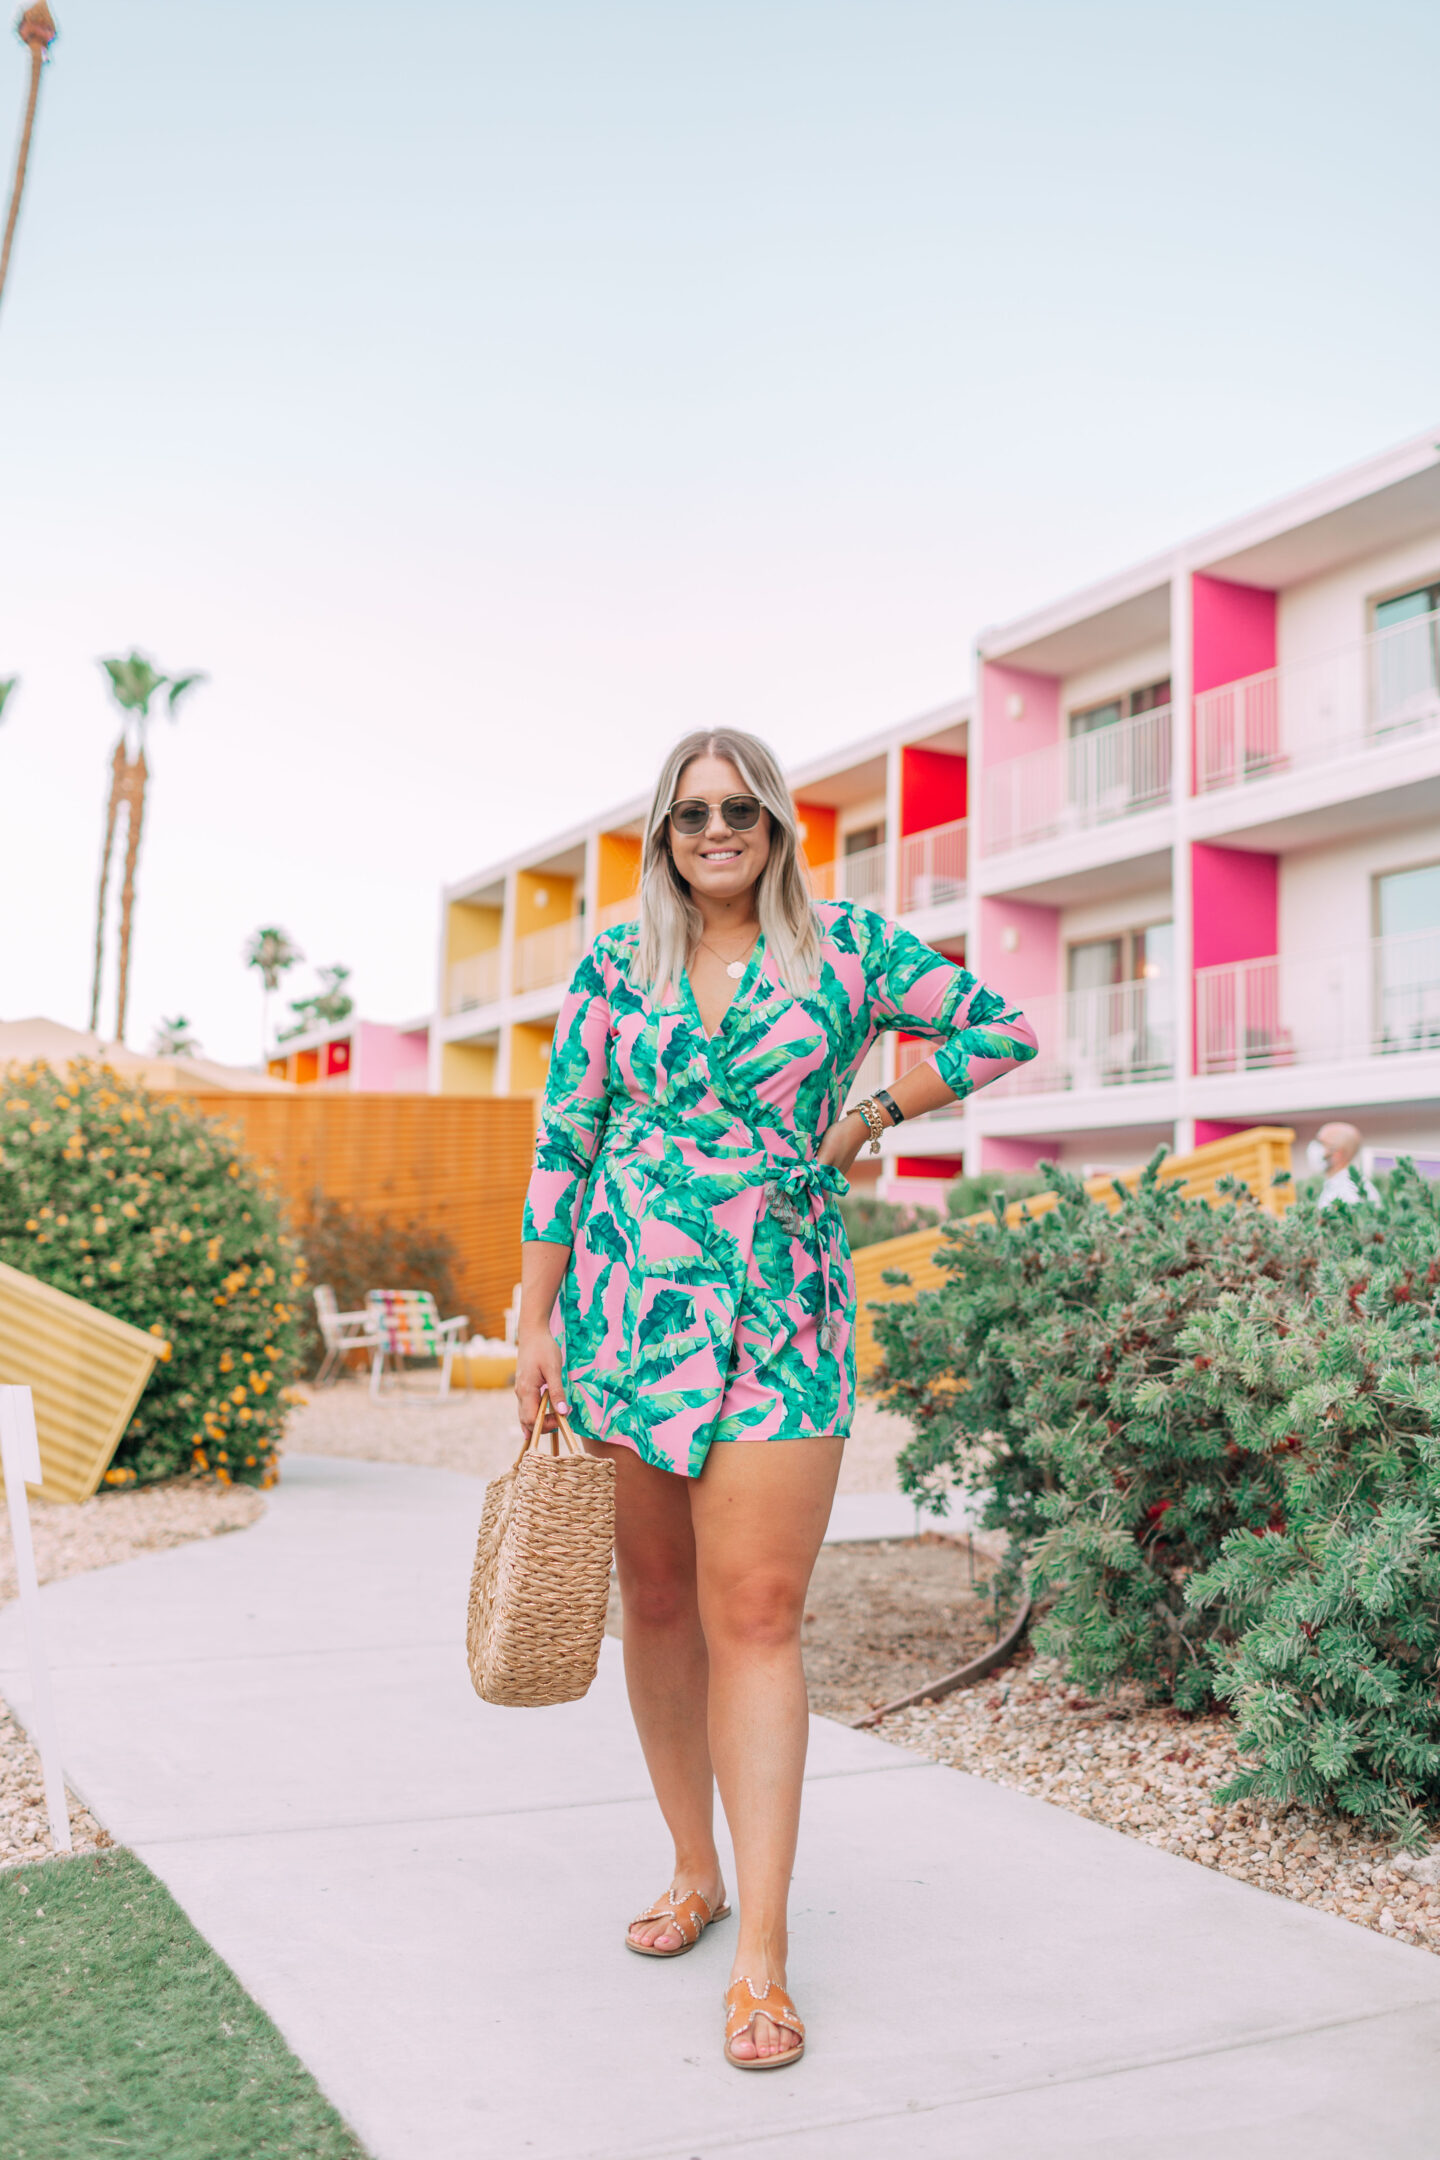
point(538, 1366)
point(843, 1142)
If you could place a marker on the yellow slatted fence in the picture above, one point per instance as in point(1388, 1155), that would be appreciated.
point(1255, 1157)
point(459, 1163)
point(86, 1369)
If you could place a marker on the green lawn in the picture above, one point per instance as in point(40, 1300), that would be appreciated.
point(122, 2033)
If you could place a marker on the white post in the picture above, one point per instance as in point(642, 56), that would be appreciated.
point(20, 1459)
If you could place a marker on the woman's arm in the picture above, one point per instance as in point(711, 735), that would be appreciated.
point(572, 1124)
point(538, 1363)
point(977, 1037)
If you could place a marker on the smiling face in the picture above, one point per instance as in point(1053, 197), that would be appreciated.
point(718, 864)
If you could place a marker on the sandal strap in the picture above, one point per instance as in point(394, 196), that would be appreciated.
point(690, 1914)
point(745, 2000)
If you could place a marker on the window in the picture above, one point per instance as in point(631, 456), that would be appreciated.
point(1405, 659)
point(1120, 1023)
point(863, 838)
point(1148, 698)
point(1407, 959)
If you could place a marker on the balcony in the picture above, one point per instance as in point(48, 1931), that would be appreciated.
point(619, 911)
point(1378, 693)
point(1379, 999)
point(1120, 1035)
point(548, 956)
point(474, 981)
point(911, 1054)
point(852, 877)
point(1113, 773)
point(934, 867)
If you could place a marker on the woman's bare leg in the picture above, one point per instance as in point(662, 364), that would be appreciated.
point(666, 1668)
point(759, 1514)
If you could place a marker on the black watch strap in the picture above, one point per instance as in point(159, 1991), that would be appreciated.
point(887, 1102)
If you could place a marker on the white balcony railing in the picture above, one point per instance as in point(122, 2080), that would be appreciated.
point(1120, 1035)
point(548, 956)
point(1383, 690)
point(934, 867)
point(1379, 999)
point(869, 1075)
point(619, 911)
point(1113, 772)
point(852, 877)
point(910, 1054)
point(474, 981)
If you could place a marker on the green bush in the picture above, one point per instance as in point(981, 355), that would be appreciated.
point(354, 1253)
point(146, 1209)
point(1048, 1377)
point(972, 1195)
point(871, 1222)
point(1333, 1679)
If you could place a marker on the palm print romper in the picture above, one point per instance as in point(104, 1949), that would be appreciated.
point(710, 1294)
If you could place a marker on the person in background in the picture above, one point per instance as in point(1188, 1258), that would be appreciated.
point(1331, 1155)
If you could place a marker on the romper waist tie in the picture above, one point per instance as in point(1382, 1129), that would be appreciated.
point(794, 1191)
point(789, 1186)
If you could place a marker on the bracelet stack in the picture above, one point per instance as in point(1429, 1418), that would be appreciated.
point(874, 1118)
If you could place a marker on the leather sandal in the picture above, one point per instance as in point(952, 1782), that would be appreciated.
point(745, 2000)
point(689, 1916)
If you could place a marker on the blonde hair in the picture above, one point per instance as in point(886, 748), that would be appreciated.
point(670, 922)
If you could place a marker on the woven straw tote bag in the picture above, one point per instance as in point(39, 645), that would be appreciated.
point(542, 1573)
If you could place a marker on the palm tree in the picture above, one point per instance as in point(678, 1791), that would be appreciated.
point(36, 28)
point(272, 952)
point(326, 1007)
point(133, 683)
point(175, 1039)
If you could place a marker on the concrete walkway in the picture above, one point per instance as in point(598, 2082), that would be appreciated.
point(428, 1895)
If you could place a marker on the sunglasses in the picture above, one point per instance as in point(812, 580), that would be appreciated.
point(739, 812)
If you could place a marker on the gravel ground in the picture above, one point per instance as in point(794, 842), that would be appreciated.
point(1152, 1774)
point(478, 1432)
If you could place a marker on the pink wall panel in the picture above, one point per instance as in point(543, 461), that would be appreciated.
point(1033, 968)
point(387, 1059)
point(1233, 631)
point(1236, 904)
point(933, 788)
point(1212, 1128)
point(1002, 1154)
point(1038, 726)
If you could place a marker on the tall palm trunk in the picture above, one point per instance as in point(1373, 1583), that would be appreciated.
point(37, 28)
point(112, 812)
point(136, 775)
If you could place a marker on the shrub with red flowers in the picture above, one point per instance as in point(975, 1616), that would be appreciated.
point(149, 1211)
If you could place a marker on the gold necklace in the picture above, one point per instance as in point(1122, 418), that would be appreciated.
point(733, 968)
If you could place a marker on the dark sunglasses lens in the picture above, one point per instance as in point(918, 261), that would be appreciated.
point(690, 817)
point(740, 812)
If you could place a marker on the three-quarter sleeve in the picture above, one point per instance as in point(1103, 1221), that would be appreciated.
point(978, 1036)
point(575, 1109)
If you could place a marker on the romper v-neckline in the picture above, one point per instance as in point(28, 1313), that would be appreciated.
point(742, 991)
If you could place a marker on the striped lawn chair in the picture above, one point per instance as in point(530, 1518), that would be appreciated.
point(408, 1325)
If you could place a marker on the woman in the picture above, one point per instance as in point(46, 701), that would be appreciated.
point(682, 1211)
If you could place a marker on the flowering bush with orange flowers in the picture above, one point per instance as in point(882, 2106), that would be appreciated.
point(148, 1210)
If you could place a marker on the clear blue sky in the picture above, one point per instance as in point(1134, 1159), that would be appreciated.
point(485, 392)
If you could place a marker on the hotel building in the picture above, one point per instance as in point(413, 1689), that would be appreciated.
point(1189, 819)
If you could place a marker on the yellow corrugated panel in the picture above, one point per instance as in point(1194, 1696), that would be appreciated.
point(1255, 1157)
point(87, 1370)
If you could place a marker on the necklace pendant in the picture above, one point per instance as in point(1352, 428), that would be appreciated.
point(736, 968)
